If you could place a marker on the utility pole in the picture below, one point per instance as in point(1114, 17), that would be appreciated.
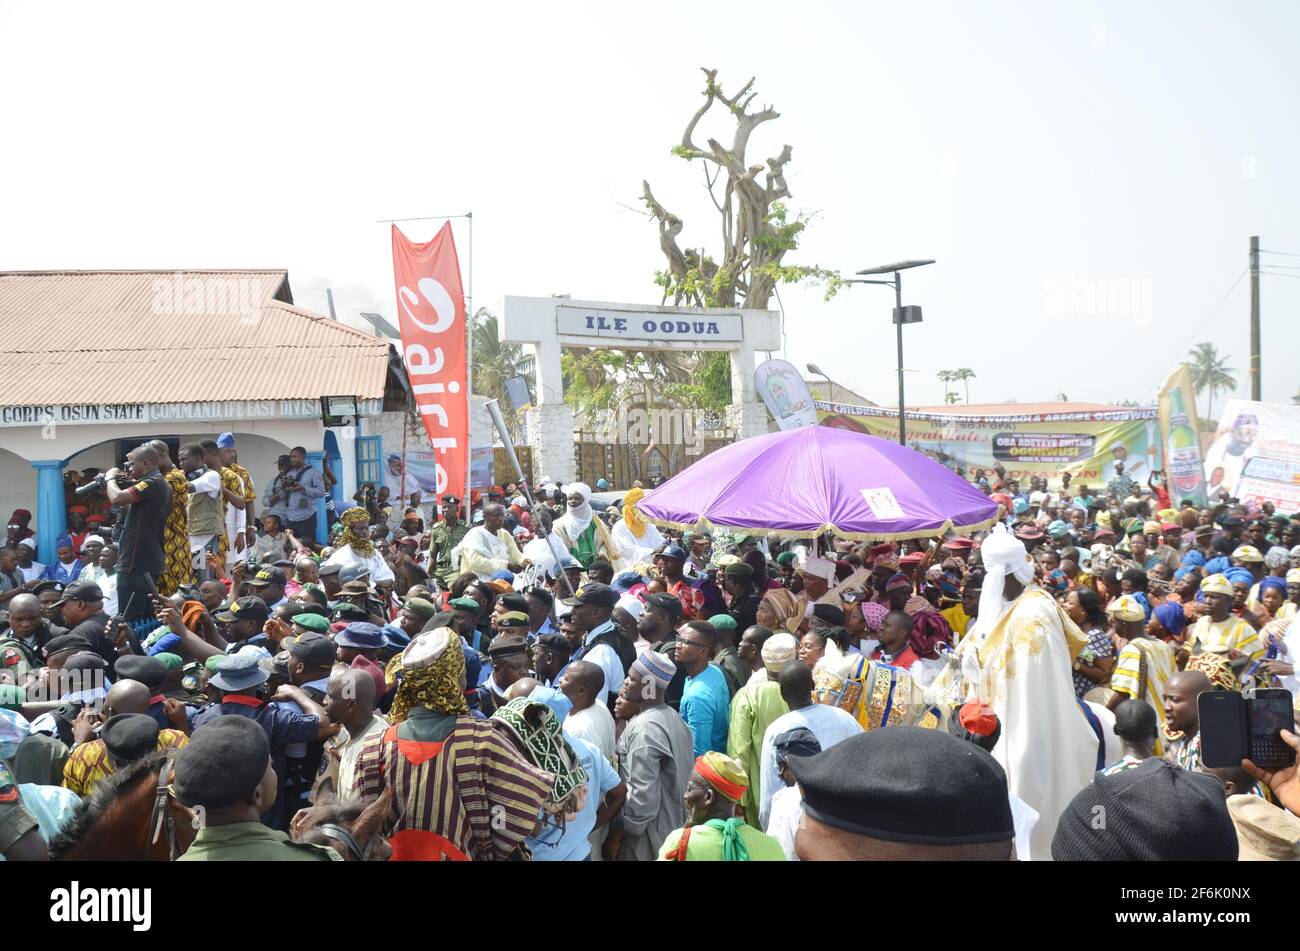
point(1255, 387)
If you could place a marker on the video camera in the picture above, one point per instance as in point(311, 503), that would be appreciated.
point(96, 484)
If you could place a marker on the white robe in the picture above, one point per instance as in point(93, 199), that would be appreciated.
point(1047, 749)
point(375, 564)
point(633, 550)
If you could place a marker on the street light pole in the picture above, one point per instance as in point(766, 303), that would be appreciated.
point(898, 326)
point(911, 315)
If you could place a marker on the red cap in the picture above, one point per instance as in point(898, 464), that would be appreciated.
point(978, 717)
point(912, 558)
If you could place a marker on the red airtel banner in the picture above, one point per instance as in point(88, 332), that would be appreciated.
point(431, 316)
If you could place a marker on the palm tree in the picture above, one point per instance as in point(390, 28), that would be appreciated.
point(964, 375)
point(950, 398)
point(1209, 374)
point(946, 377)
point(495, 362)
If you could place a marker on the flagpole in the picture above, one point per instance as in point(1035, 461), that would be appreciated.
point(469, 364)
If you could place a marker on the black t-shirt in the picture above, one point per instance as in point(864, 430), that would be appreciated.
point(95, 630)
point(141, 546)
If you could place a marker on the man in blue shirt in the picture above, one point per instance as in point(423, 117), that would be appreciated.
point(303, 487)
point(66, 568)
point(240, 677)
point(706, 700)
point(605, 793)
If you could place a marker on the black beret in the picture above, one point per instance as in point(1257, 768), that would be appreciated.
point(541, 594)
point(1154, 812)
point(556, 642)
point(906, 784)
point(513, 602)
point(85, 660)
point(129, 736)
point(665, 602)
point(65, 642)
point(601, 595)
point(828, 614)
point(149, 671)
point(506, 645)
point(347, 611)
point(223, 763)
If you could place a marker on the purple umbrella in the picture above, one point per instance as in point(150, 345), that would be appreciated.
point(816, 479)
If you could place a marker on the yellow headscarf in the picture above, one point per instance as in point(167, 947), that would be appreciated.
point(635, 523)
point(361, 544)
point(434, 685)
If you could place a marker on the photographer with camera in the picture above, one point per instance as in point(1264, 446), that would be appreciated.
point(302, 486)
point(146, 501)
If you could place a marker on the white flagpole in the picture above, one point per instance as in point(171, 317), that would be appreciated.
point(469, 369)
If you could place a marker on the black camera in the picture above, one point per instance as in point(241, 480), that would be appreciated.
point(96, 484)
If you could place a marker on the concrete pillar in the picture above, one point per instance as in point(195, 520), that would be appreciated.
point(314, 459)
point(746, 415)
point(51, 517)
point(550, 434)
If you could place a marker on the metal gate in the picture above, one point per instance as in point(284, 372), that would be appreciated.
point(621, 464)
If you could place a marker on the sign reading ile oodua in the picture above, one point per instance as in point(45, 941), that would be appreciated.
point(1087, 444)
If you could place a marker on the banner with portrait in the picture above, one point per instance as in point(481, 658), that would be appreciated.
point(1088, 444)
point(1255, 456)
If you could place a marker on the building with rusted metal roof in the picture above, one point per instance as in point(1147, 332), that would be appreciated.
point(92, 363)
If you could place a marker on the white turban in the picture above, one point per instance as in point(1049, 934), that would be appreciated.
point(580, 487)
point(1002, 554)
point(576, 519)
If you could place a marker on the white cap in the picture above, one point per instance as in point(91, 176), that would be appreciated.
point(632, 605)
point(819, 568)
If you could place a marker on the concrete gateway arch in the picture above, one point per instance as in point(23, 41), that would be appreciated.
point(550, 324)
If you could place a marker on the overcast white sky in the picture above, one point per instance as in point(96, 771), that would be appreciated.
point(1036, 150)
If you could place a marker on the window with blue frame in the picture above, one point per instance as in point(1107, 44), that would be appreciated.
point(370, 450)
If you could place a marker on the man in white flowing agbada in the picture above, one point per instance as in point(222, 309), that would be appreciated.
point(584, 535)
point(489, 548)
point(356, 548)
point(1025, 647)
point(637, 540)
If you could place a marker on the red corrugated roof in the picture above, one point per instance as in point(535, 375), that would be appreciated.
point(1013, 409)
point(173, 337)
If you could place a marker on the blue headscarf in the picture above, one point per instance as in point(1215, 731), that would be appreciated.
point(1193, 559)
point(1141, 598)
point(1217, 565)
point(1242, 576)
point(1274, 582)
point(1172, 618)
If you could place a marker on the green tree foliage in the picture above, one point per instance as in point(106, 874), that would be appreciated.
point(756, 233)
point(495, 362)
point(1210, 374)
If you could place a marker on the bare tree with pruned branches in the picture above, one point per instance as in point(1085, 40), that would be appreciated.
point(755, 231)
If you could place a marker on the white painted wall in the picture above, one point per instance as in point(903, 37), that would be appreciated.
point(257, 451)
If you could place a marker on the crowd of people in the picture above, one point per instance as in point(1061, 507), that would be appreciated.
point(520, 676)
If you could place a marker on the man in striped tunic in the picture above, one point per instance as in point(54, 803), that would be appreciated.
point(460, 791)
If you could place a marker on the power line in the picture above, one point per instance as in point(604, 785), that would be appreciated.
point(1289, 254)
point(1208, 317)
point(1294, 277)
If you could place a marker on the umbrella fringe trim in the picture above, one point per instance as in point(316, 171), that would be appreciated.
point(704, 523)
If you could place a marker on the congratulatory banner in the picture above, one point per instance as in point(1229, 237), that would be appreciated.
point(1087, 445)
